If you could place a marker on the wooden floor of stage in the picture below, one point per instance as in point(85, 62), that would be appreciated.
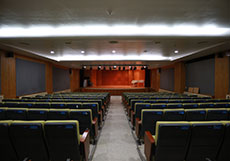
point(115, 89)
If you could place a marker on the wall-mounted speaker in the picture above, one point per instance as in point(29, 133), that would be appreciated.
point(9, 55)
point(159, 70)
point(70, 71)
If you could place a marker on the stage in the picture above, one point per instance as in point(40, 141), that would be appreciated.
point(115, 90)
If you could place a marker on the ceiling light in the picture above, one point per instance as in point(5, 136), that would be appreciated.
point(130, 67)
point(123, 68)
point(119, 68)
point(176, 51)
point(99, 68)
point(84, 67)
point(114, 51)
point(91, 68)
point(104, 68)
point(134, 68)
point(82, 51)
point(113, 30)
point(114, 67)
point(52, 52)
point(110, 68)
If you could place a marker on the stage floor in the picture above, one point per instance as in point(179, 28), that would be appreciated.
point(115, 87)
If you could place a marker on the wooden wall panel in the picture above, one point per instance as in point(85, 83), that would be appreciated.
point(179, 77)
point(221, 76)
point(115, 77)
point(155, 79)
point(8, 76)
point(74, 80)
point(49, 78)
point(93, 77)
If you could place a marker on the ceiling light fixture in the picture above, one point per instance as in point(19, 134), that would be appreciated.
point(52, 52)
point(104, 68)
point(114, 67)
point(82, 51)
point(176, 51)
point(113, 51)
point(123, 68)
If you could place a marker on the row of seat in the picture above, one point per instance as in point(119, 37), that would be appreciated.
point(188, 141)
point(43, 141)
point(149, 117)
point(136, 113)
point(84, 116)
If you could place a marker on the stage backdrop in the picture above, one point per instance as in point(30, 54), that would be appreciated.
point(114, 77)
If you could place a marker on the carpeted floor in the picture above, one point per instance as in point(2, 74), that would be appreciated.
point(116, 142)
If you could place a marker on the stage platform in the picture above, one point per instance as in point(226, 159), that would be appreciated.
point(115, 90)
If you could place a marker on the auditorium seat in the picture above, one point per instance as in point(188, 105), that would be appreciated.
point(158, 106)
point(217, 114)
point(57, 105)
point(64, 140)
point(3, 113)
point(7, 151)
point(94, 108)
point(170, 142)
point(28, 140)
point(16, 114)
point(137, 111)
point(149, 119)
point(58, 114)
point(174, 105)
point(84, 116)
point(190, 105)
point(42, 105)
point(37, 114)
point(224, 154)
point(174, 115)
point(74, 105)
point(206, 138)
point(195, 114)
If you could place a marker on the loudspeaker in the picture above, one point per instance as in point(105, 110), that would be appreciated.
point(70, 71)
point(147, 78)
point(220, 55)
point(159, 70)
point(9, 55)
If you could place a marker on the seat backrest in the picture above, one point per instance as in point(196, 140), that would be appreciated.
point(174, 105)
point(3, 113)
point(158, 106)
point(195, 114)
point(7, 151)
point(190, 105)
point(174, 115)
point(58, 114)
point(93, 106)
point(149, 117)
point(74, 105)
point(206, 138)
point(37, 114)
point(224, 154)
point(58, 105)
point(16, 114)
point(42, 105)
point(217, 114)
point(63, 140)
point(207, 105)
point(28, 140)
point(84, 117)
point(171, 140)
point(139, 106)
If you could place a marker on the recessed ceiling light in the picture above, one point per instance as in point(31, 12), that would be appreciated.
point(82, 51)
point(52, 52)
point(176, 51)
point(113, 51)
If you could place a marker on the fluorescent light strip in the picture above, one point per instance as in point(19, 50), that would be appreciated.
point(115, 30)
point(112, 58)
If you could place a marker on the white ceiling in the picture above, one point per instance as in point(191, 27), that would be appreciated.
point(147, 31)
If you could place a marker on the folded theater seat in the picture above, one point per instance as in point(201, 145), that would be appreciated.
point(43, 141)
point(188, 141)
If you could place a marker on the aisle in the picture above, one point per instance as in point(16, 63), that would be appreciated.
point(116, 142)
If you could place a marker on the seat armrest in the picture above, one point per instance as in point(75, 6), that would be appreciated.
point(138, 127)
point(149, 145)
point(133, 118)
point(95, 126)
point(84, 144)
